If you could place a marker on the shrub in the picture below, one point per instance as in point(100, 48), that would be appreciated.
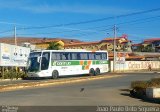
point(155, 82)
point(139, 87)
point(21, 75)
point(139, 84)
point(11, 74)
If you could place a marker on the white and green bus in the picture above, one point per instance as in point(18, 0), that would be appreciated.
point(55, 63)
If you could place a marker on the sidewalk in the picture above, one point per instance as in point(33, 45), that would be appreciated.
point(9, 81)
point(139, 71)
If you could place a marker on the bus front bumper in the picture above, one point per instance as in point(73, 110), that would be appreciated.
point(33, 74)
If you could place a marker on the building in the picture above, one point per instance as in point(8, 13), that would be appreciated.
point(45, 44)
point(122, 44)
point(148, 45)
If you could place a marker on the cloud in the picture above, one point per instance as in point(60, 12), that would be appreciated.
point(34, 6)
point(76, 9)
point(13, 4)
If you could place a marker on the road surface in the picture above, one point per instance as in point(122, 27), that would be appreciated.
point(91, 93)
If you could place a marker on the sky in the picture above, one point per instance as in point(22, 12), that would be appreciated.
point(32, 18)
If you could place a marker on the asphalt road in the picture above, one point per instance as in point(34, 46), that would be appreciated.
point(91, 93)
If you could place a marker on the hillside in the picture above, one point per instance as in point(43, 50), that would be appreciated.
point(33, 40)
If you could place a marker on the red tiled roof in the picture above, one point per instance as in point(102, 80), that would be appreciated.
point(151, 56)
point(152, 39)
point(81, 43)
point(45, 41)
point(136, 44)
point(125, 41)
point(112, 38)
point(96, 42)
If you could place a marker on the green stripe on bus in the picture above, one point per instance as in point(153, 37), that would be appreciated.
point(85, 63)
point(93, 62)
point(71, 63)
point(97, 62)
point(83, 67)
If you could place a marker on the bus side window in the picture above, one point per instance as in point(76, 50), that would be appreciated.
point(63, 57)
point(45, 60)
point(69, 56)
point(78, 56)
point(91, 56)
point(98, 56)
point(56, 56)
point(74, 56)
point(104, 56)
point(66, 56)
point(83, 56)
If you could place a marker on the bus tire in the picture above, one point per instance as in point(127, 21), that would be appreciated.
point(55, 74)
point(91, 72)
point(97, 71)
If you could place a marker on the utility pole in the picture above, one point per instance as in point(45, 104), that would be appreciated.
point(15, 36)
point(114, 48)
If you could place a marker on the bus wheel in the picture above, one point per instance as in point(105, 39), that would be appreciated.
point(55, 74)
point(91, 72)
point(97, 72)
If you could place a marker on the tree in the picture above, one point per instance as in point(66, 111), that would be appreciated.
point(54, 46)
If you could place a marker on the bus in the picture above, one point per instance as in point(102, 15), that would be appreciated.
point(56, 63)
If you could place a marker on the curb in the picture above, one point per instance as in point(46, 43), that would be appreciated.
point(52, 82)
point(137, 72)
point(2, 80)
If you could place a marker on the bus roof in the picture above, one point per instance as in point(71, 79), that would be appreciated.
point(69, 50)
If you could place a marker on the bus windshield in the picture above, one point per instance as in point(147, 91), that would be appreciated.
point(33, 64)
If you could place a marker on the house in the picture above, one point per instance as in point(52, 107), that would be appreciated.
point(45, 44)
point(122, 44)
point(148, 45)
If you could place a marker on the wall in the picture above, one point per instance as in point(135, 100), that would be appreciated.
point(135, 65)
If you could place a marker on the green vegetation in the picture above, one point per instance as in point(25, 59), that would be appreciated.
point(54, 46)
point(139, 84)
point(12, 74)
point(155, 82)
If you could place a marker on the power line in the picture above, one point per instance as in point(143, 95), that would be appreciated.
point(132, 22)
point(97, 20)
point(91, 21)
point(75, 34)
point(122, 23)
point(73, 29)
point(94, 32)
point(103, 30)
